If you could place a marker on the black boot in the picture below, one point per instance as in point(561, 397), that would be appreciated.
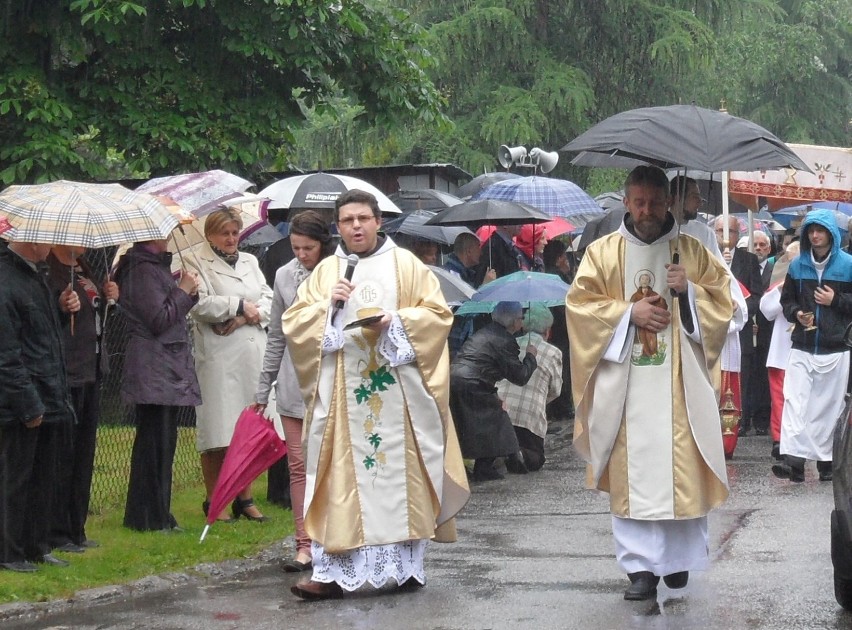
point(643, 585)
point(825, 471)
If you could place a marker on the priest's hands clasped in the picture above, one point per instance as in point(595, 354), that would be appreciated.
point(649, 314)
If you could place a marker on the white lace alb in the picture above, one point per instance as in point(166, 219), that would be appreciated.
point(372, 563)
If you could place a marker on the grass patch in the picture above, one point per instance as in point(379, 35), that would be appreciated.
point(126, 555)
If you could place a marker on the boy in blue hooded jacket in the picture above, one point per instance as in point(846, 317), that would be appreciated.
point(817, 296)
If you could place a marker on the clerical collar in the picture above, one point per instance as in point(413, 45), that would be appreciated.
point(630, 228)
point(380, 241)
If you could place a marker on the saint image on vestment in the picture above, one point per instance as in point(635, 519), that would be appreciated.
point(647, 338)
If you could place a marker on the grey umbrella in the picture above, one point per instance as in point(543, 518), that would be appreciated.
point(455, 289)
point(414, 224)
point(489, 212)
point(482, 181)
point(687, 136)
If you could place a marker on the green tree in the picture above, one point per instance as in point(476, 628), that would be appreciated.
point(103, 88)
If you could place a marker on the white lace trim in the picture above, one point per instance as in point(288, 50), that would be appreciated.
point(394, 344)
point(373, 564)
point(333, 338)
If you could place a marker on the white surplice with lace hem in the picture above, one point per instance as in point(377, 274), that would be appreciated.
point(371, 563)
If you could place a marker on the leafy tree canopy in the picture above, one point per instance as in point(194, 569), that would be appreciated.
point(93, 89)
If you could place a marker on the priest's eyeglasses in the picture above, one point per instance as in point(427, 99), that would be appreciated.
point(361, 219)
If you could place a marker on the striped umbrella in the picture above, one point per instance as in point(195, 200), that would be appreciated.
point(198, 193)
point(82, 215)
point(556, 197)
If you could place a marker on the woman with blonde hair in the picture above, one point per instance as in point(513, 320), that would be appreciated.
point(229, 342)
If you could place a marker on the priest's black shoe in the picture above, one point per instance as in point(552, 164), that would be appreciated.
point(676, 580)
point(643, 586)
point(783, 470)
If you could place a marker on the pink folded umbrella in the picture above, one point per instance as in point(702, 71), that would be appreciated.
point(254, 447)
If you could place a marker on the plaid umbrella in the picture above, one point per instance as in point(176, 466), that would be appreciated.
point(82, 215)
point(198, 193)
point(556, 197)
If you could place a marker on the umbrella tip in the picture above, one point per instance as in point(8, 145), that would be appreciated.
point(204, 533)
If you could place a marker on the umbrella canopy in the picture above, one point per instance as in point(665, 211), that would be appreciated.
point(489, 211)
point(483, 181)
point(423, 199)
point(556, 197)
point(414, 224)
point(690, 136)
point(320, 191)
point(199, 193)
point(793, 217)
point(455, 289)
point(254, 447)
point(525, 287)
point(82, 215)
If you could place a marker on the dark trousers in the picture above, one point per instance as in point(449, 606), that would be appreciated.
point(757, 406)
point(77, 453)
point(532, 447)
point(278, 483)
point(28, 474)
point(149, 493)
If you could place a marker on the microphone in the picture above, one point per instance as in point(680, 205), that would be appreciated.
point(351, 261)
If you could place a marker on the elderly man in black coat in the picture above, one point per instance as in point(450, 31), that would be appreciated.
point(33, 403)
point(490, 355)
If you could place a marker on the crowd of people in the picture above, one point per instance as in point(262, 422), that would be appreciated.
point(381, 393)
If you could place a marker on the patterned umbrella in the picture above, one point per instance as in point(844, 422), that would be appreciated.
point(320, 191)
point(82, 215)
point(198, 193)
point(556, 197)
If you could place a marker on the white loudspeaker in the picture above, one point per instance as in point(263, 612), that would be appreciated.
point(546, 160)
point(507, 155)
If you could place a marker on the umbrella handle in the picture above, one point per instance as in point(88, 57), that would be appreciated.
point(675, 261)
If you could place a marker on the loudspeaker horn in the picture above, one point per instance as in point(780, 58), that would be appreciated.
point(545, 160)
point(507, 155)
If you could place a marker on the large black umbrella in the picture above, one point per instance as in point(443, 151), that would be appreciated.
point(483, 181)
point(687, 136)
point(490, 212)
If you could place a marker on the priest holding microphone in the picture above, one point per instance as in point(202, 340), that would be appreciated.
point(384, 473)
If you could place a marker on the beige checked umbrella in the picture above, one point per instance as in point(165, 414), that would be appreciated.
point(82, 215)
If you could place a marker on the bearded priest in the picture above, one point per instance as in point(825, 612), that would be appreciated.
point(647, 419)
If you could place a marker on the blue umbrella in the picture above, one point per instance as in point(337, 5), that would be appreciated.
point(556, 197)
point(788, 216)
point(525, 287)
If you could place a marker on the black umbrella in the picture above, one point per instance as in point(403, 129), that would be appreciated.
point(482, 181)
point(489, 212)
point(414, 224)
point(424, 199)
point(687, 136)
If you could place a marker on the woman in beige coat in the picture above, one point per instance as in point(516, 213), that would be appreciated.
point(229, 342)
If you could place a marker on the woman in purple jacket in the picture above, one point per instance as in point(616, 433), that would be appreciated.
point(159, 375)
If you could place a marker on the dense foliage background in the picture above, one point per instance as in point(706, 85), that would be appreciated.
point(103, 89)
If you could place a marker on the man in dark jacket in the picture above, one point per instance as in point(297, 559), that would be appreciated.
point(817, 296)
point(33, 403)
point(484, 428)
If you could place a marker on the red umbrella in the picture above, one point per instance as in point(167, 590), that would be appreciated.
point(254, 447)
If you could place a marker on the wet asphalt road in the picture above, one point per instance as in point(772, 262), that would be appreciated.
point(535, 551)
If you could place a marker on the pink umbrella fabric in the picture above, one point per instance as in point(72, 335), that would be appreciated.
point(255, 446)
